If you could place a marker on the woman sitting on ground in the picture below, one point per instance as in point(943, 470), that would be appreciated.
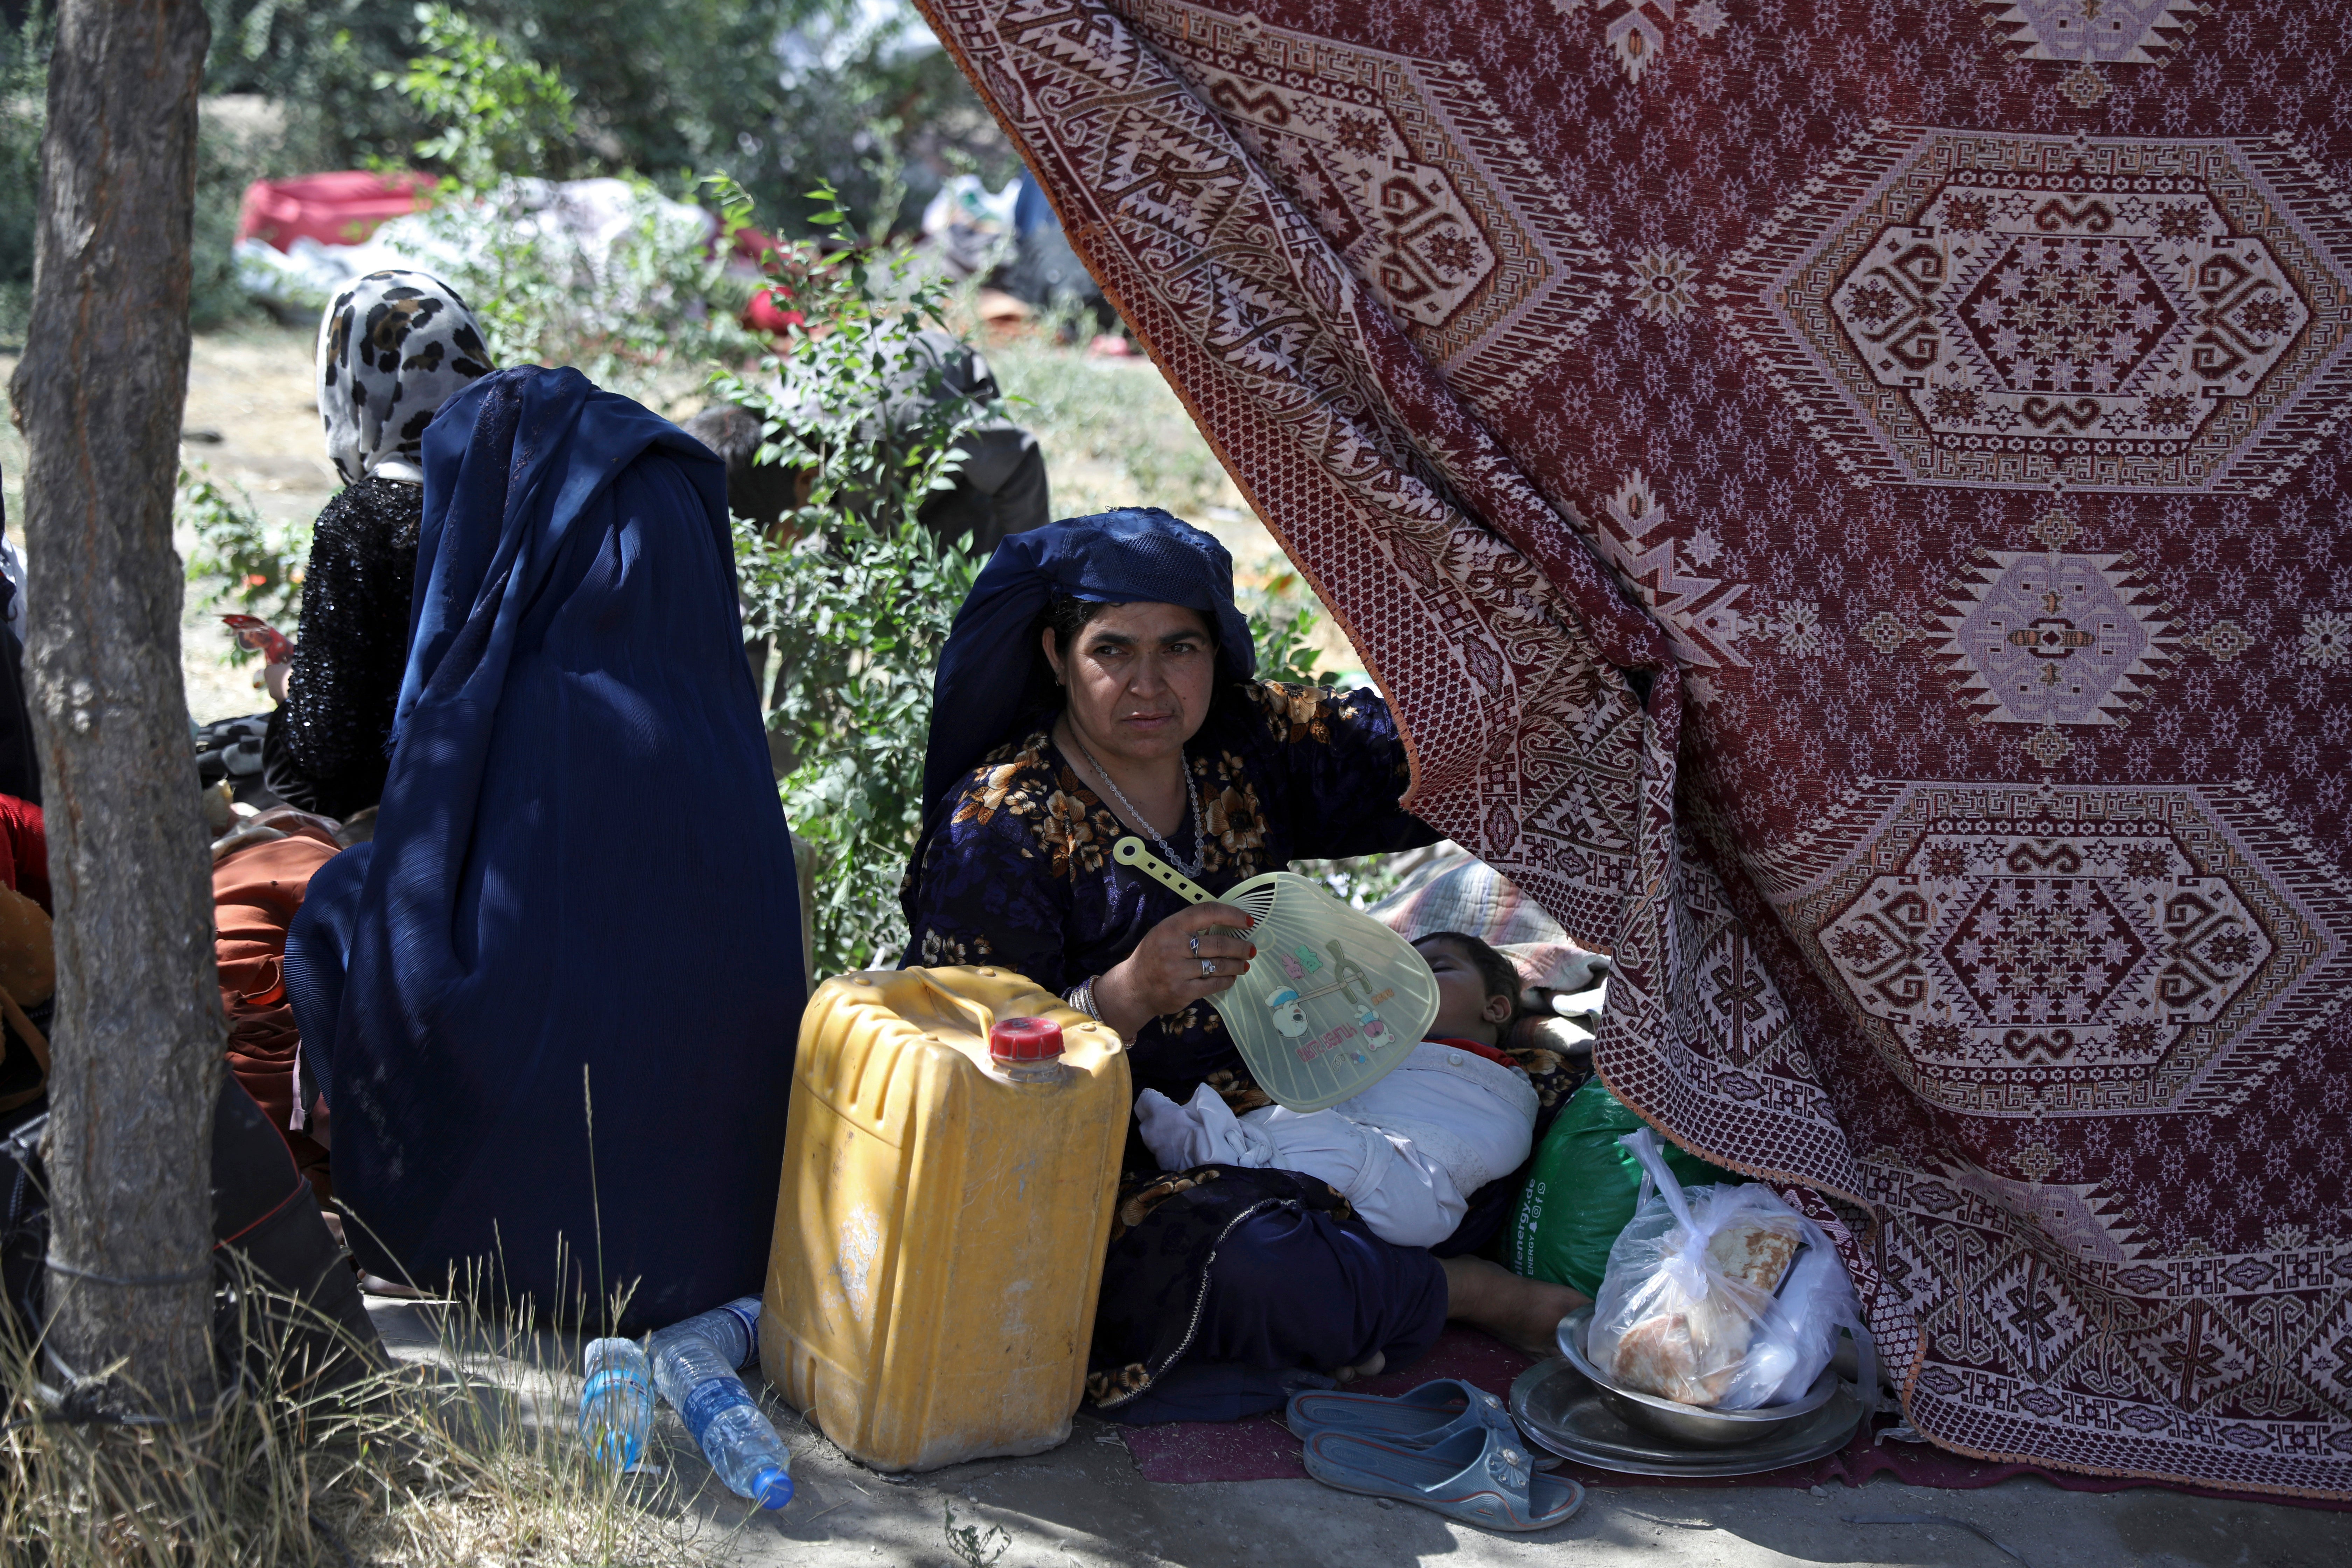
point(392, 348)
point(1098, 683)
point(557, 1046)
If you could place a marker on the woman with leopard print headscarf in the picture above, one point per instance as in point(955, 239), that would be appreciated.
point(392, 348)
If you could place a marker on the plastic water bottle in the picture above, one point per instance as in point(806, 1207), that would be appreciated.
point(694, 1367)
point(616, 1404)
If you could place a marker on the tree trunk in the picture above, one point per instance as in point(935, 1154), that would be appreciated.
point(138, 1034)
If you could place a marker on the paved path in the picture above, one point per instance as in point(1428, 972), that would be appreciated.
point(1083, 1505)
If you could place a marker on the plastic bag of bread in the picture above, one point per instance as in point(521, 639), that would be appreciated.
point(1720, 1295)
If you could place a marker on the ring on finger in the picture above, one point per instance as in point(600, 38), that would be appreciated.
point(1208, 967)
point(1196, 945)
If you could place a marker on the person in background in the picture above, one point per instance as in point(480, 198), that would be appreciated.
point(759, 493)
point(29, 970)
point(261, 871)
point(392, 349)
point(28, 957)
point(1000, 490)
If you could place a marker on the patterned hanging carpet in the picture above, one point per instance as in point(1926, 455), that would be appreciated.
point(1846, 496)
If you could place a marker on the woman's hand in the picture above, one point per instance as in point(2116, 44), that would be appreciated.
point(1183, 958)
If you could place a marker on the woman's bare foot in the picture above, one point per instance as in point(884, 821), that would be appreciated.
point(1522, 1313)
point(1371, 1366)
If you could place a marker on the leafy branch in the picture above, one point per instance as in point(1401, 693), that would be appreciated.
point(498, 111)
point(259, 567)
point(854, 593)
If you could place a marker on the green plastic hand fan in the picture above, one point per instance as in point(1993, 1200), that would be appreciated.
point(1334, 999)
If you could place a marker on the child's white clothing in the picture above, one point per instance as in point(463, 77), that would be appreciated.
point(1406, 1153)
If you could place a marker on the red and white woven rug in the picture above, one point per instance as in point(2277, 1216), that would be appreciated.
point(1846, 496)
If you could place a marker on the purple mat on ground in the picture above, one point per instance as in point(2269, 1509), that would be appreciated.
point(1262, 1449)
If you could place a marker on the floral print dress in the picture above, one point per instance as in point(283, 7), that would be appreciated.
point(1021, 876)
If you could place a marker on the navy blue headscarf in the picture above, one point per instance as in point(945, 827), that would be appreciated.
point(1136, 556)
point(580, 863)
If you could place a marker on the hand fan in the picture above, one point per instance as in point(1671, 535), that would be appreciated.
point(1334, 999)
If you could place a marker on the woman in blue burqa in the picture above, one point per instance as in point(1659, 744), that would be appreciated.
point(552, 1006)
point(1098, 683)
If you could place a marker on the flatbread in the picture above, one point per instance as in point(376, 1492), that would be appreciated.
point(1757, 1250)
point(1689, 1355)
point(1691, 1351)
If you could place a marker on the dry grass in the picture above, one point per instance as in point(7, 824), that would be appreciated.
point(464, 1458)
point(1115, 434)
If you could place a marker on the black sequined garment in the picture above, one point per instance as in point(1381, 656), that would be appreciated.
point(330, 737)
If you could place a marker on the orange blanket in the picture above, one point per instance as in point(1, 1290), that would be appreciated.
point(256, 890)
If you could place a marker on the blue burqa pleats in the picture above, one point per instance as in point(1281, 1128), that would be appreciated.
point(581, 890)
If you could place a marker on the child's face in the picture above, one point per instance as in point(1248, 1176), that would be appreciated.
point(1465, 1010)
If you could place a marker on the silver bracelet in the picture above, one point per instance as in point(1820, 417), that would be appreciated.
point(1082, 997)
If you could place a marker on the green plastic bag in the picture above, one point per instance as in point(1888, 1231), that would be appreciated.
point(1581, 1190)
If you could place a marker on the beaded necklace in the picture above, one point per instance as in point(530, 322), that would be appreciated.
point(1191, 793)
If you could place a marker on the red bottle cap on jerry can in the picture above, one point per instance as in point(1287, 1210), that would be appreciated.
point(1025, 1039)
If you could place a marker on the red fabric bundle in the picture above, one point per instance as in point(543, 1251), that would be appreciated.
point(24, 850)
point(339, 208)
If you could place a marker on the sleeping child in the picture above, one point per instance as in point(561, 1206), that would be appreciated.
point(1408, 1151)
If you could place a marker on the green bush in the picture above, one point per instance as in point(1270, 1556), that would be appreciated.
point(649, 307)
point(494, 111)
point(24, 109)
point(857, 602)
point(862, 608)
point(778, 94)
point(640, 315)
point(252, 565)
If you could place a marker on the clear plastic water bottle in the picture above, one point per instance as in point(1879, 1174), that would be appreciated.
point(694, 1367)
point(616, 1402)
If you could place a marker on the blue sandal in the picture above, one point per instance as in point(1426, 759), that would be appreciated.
point(1480, 1477)
point(1429, 1415)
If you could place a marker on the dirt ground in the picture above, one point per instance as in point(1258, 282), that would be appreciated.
point(1114, 434)
point(253, 421)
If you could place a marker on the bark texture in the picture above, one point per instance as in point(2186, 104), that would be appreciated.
point(139, 1035)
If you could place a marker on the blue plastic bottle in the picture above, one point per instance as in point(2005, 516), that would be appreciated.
point(617, 1402)
point(694, 1367)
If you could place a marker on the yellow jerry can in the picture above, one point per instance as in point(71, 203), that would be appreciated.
point(942, 1215)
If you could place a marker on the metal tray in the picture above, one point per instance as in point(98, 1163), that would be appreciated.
point(1561, 1412)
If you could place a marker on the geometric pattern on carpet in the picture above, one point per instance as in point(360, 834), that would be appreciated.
point(1847, 504)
